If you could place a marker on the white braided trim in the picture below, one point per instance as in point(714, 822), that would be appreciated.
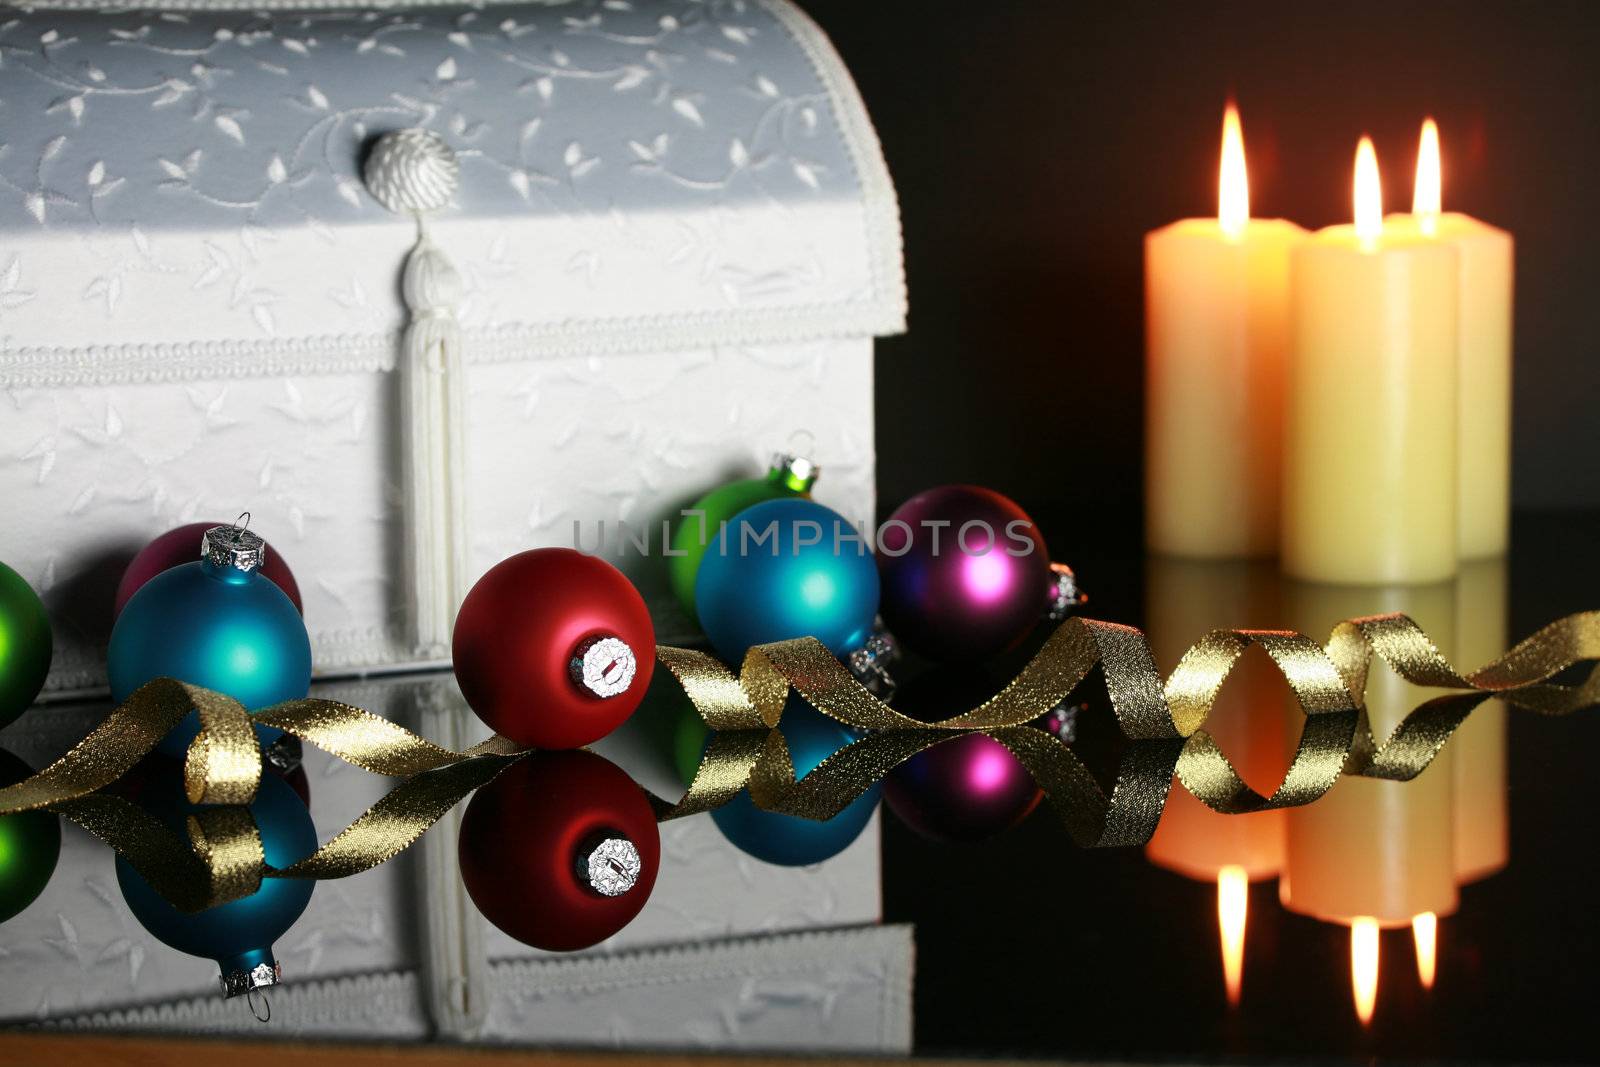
point(55, 366)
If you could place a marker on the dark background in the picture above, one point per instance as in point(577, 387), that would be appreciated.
point(1033, 144)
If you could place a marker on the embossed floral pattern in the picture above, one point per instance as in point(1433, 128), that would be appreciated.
point(614, 120)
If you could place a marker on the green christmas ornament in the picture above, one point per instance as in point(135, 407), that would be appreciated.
point(689, 737)
point(670, 727)
point(30, 844)
point(25, 645)
point(789, 476)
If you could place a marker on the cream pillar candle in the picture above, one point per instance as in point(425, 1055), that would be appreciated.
point(1375, 849)
point(1370, 456)
point(1483, 338)
point(1216, 333)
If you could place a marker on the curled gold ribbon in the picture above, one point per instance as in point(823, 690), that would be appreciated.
point(223, 858)
point(1162, 721)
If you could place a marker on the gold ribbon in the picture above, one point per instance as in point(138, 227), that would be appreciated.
point(223, 859)
point(1163, 723)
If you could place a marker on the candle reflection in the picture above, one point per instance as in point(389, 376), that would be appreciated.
point(1185, 599)
point(1233, 910)
point(1425, 935)
point(1482, 825)
point(1372, 854)
point(1379, 849)
point(1364, 966)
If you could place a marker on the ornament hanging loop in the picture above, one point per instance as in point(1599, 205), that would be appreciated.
point(802, 442)
point(260, 1005)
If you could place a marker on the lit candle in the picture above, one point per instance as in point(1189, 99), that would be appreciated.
point(1483, 336)
point(1370, 412)
point(1216, 333)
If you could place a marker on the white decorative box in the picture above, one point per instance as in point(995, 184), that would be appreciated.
point(729, 952)
point(674, 229)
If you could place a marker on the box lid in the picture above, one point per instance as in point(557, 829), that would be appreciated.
point(181, 194)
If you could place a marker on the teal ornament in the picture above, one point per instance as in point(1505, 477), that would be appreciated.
point(782, 569)
point(218, 623)
point(788, 840)
point(240, 933)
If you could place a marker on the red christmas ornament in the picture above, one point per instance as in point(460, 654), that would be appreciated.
point(560, 851)
point(183, 546)
point(553, 648)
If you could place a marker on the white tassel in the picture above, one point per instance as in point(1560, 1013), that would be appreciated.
point(455, 959)
point(414, 172)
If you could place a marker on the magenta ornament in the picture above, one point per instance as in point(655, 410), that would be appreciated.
point(965, 573)
point(182, 545)
point(970, 788)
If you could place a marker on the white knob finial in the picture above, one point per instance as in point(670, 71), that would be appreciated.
point(412, 172)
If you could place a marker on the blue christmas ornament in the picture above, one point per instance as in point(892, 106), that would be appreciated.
point(240, 933)
point(789, 840)
point(217, 623)
point(786, 568)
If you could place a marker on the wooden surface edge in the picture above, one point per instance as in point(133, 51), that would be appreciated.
point(33, 1049)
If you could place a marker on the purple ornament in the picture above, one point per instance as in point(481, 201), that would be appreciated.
point(967, 789)
point(182, 545)
point(965, 573)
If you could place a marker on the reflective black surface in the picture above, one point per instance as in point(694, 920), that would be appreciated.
point(1029, 946)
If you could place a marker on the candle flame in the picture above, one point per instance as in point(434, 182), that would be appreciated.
point(1364, 966)
point(1425, 932)
point(1233, 183)
point(1368, 195)
point(1428, 199)
point(1233, 908)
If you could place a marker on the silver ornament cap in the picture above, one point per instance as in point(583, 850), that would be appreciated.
point(603, 665)
point(242, 982)
point(871, 662)
point(609, 864)
point(1062, 721)
point(1064, 596)
point(235, 547)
